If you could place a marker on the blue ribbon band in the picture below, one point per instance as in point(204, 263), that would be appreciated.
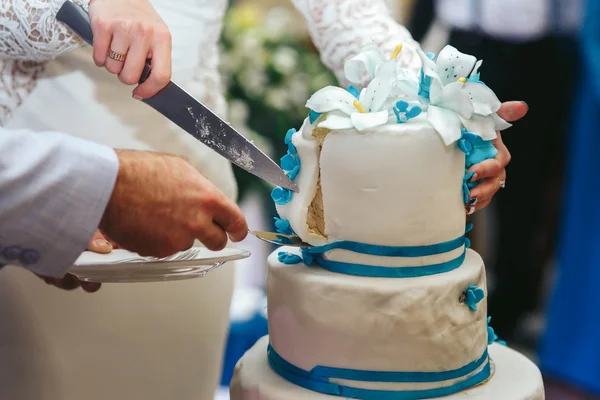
point(315, 255)
point(318, 379)
point(388, 272)
point(390, 251)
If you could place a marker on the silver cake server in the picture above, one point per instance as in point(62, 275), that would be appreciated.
point(280, 239)
point(191, 115)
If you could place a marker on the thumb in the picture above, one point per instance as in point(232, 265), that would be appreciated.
point(99, 244)
point(513, 110)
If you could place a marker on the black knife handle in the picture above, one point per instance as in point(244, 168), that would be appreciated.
point(75, 17)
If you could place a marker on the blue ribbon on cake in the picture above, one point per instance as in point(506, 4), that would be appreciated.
point(315, 255)
point(319, 379)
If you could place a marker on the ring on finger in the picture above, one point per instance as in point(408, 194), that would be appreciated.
point(502, 182)
point(113, 55)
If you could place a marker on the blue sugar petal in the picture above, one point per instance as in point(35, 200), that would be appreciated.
point(354, 91)
point(414, 112)
point(281, 196)
point(402, 105)
point(288, 135)
point(313, 116)
point(288, 162)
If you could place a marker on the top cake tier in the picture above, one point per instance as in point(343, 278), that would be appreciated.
point(386, 165)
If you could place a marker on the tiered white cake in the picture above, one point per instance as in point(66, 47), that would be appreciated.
point(389, 303)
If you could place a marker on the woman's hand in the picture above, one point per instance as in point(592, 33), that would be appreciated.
point(126, 33)
point(492, 172)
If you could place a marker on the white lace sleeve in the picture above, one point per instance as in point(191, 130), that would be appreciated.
point(341, 28)
point(29, 30)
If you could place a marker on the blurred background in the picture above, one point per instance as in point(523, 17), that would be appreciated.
point(270, 68)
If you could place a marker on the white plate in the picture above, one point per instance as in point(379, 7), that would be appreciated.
point(125, 266)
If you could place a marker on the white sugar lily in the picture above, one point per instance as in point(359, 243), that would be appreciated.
point(367, 63)
point(456, 100)
point(344, 111)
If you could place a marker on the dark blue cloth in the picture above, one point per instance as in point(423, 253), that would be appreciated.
point(242, 336)
point(570, 349)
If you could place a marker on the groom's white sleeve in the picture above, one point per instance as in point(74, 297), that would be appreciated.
point(53, 192)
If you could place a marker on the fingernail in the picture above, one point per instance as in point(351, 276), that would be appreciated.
point(137, 97)
point(102, 243)
point(470, 210)
point(525, 103)
point(474, 177)
point(472, 201)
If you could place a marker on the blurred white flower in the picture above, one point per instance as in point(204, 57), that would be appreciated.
point(238, 112)
point(278, 98)
point(285, 60)
point(276, 22)
point(254, 81)
point(298, 85)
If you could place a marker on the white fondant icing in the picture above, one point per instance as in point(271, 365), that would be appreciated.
point(515, 377)
point(395, 185)
point(317, 317)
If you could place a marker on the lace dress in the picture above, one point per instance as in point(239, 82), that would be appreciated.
point(341, 28)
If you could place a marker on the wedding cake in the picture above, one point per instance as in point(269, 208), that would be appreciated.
point(388, 302)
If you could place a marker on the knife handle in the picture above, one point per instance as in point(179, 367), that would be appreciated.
point(75, 17)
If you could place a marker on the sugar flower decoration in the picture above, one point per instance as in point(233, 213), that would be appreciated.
point(283, 226)
point(476, 149)
point(404, 113)
point(473, 295)
point(362, 110)
point(456, 96)
point(492, 337)
point(288, 258)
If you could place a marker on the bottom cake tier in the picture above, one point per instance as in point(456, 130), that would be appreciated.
point(514, 377)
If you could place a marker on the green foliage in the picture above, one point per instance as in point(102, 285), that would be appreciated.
point(270, 68)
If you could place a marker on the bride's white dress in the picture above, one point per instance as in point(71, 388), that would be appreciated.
point(133, 341)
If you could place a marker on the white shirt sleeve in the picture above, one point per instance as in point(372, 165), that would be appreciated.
point(53, 192)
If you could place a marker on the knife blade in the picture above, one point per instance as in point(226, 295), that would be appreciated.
point(191, 115)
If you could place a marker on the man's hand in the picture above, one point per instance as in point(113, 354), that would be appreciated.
point(492, 171)
point(161, 204)
point(135, 31)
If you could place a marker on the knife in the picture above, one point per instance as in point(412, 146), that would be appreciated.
point(191, 115)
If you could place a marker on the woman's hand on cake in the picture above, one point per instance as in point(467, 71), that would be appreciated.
point(126, 34)
point(492, 172)
point(160, 204)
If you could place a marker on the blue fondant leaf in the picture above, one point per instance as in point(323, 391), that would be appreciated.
point(288, 136)
point(294, 172)
point(292, 149)
point(430, 55)
point(313, 116)
point(354, 91)
point(288, 162)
